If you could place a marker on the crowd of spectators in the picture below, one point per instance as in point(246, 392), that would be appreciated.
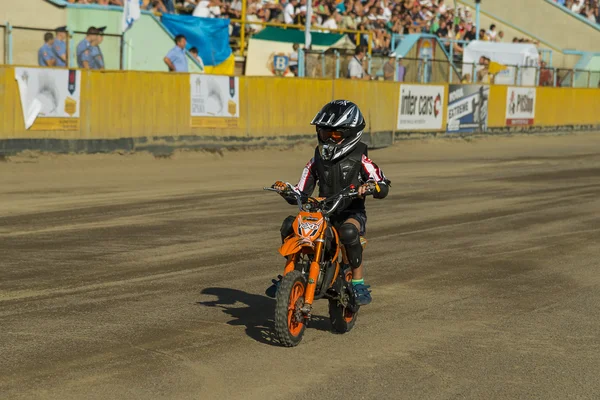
point(589, 9)
point(381, 17)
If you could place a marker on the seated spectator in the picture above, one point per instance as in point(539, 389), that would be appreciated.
point(483, 36)
point(289, 12)
point(491, 33)
point(46, 57)
point(207, 9)
point(471, 34)
point(332, 21)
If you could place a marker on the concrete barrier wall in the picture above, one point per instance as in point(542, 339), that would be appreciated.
point(142, 110)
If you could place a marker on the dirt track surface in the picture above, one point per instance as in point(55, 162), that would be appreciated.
point(125, 277)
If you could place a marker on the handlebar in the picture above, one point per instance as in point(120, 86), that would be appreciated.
point(349, 192)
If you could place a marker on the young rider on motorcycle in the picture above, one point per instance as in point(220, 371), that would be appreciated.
point(340, 160)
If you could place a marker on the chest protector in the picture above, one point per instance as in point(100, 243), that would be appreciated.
point(338, 174)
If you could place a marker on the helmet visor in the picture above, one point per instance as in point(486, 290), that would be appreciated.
point(329, 135)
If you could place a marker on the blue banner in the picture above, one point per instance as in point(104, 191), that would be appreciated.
point(467, 108)
point(209, 35)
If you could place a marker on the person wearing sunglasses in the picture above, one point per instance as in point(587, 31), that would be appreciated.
point(340, 160)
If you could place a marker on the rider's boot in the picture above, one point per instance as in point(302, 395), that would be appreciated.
point(272, 290)
point(362, 294)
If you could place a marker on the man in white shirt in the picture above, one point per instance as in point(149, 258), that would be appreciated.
point(577, 6)
point(332, 21)
point(442, 8)
point(202, 9)
point(492, 33)
point(355, 67)
point(289, 12)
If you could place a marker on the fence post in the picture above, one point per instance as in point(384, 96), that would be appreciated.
point(301, 63)
point(122, 56)
point(369, 63)
point(337, 64)
point(449, 72)
point(323, 66)
point(9, 44)
point(518, 77)
point(589, 83)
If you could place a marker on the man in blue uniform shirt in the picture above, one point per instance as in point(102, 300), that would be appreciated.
point(84, 59)
point(45, 53)
point(176, 59)
point(97, 58)
point(60, 46)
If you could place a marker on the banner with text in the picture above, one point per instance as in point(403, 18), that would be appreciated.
point(520, 106)
point(467, 108)
point(421, 107)
point(50, 98)
point(215, 101)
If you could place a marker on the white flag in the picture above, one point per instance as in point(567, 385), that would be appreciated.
point(131, 13)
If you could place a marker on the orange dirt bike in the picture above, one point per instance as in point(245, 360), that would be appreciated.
point(313, 269)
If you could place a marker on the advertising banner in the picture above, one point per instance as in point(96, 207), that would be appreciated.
point(50, 98)
point(215, 101)
point(520, 106)
point(421, 107)
point(467, 108)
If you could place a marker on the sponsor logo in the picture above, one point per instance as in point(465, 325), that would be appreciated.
point(421, 107)
point(520, 106)
point(279, 63)
point(459, 110)
point(436, 105)
point(413, 105)
point(456, 95)
point(309, 226)
point(521, 103)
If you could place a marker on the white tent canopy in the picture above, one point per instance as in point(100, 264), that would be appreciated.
point(508, 54)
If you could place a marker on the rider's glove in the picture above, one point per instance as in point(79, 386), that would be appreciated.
point(281, 187)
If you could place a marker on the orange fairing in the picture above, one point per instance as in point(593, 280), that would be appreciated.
point(307, 228)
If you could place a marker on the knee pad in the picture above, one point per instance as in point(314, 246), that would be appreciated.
point(287, 227)
point(350, 238)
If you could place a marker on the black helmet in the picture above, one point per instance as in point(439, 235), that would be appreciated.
point(340, 125)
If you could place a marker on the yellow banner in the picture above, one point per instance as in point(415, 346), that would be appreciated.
point(55, 124)
point(212, 122)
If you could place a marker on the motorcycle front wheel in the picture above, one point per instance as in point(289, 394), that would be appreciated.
point(289, 320)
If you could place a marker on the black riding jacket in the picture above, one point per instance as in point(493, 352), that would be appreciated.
point(332, 176)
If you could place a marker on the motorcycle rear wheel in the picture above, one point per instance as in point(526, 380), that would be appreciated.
point(289, 321)
point(342, 318)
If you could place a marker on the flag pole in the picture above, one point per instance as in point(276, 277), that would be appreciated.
point(243, 29)
point(307, 34)
point(477, 13)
